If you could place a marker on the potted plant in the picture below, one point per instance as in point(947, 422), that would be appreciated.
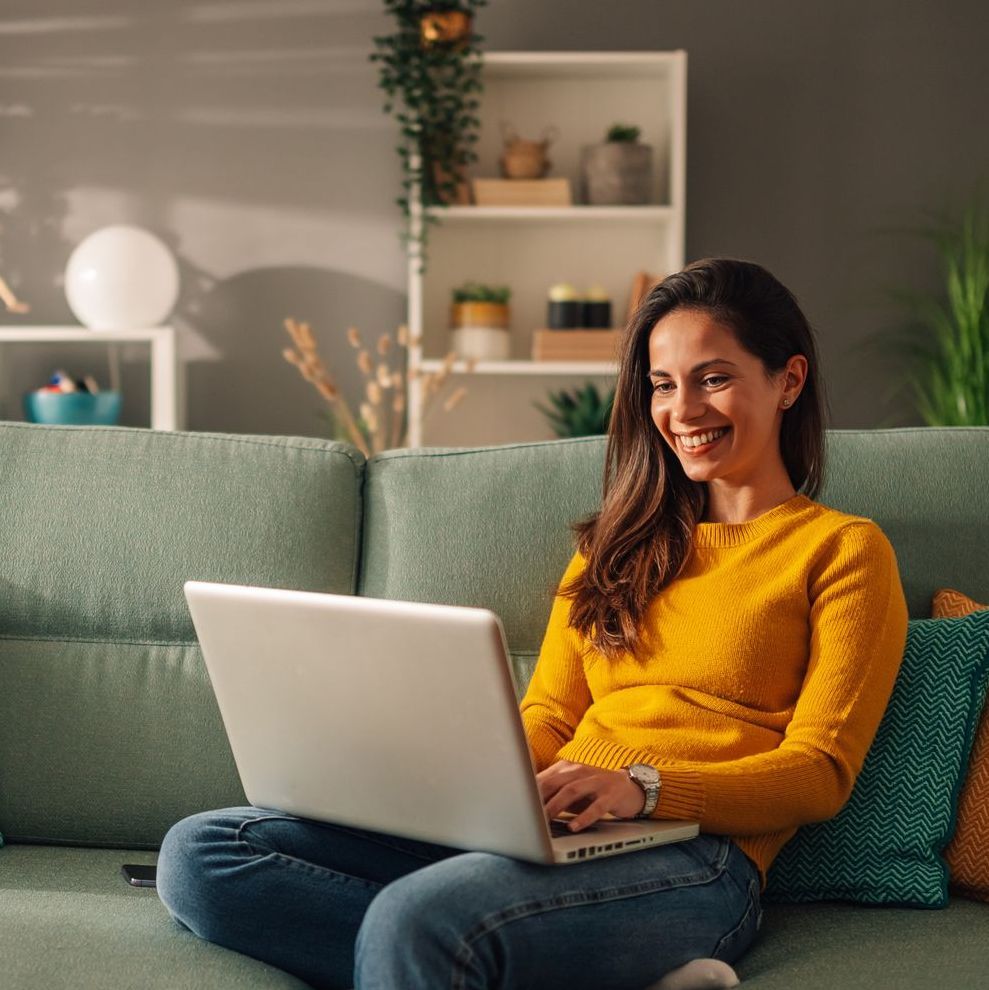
point(946, 341)
point(479, 320)
point(430, 70)
point(618, 171)
point(582, 412)
point(475, 304)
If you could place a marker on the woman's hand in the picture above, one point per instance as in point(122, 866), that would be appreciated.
point(590, 792)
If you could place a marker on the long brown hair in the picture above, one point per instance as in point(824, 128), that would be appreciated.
point(639, 540)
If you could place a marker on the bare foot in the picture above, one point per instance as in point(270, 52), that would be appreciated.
point(698, 974)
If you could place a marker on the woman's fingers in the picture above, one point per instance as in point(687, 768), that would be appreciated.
point(597, 809)
point(570, 794)
point(550, 780)
point(588, 792)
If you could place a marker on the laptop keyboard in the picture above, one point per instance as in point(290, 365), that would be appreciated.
point(557, 826)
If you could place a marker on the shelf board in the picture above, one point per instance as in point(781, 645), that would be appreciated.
point(555, 63)
point(70, 334)
point(525, 367)
point(643, 214)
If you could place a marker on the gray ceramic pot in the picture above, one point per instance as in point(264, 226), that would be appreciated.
point(616, 173)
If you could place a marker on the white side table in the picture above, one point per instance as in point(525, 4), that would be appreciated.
point(164, 364)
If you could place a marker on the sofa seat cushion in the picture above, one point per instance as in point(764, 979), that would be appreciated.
point(831, 945)
point(71, 922)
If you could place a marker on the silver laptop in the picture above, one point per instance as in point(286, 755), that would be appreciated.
point(393, 716)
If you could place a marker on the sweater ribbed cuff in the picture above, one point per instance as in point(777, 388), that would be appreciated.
point(681, 792)
point(543, 742)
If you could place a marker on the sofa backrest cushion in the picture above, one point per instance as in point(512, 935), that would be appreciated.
point(490, 526)
point(109, 730)
point(928, 489)
point(485, 526)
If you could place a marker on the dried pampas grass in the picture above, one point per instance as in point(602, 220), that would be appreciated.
point(381, 431)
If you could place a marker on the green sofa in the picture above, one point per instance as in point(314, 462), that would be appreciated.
point(109, 732)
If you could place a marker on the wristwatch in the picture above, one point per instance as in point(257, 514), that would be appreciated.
point(647, 778)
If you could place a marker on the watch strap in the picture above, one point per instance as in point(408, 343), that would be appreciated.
point(650, 790)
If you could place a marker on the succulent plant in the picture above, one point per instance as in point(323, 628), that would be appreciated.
point(478, 292)
point(623, 132)
point(580, 412)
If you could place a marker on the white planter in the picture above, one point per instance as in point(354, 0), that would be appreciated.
point(483, 343)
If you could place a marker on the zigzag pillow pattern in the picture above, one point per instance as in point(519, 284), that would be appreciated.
point(968, 852)
point(884, 846)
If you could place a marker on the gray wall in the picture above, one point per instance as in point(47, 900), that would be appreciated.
point(249, 135)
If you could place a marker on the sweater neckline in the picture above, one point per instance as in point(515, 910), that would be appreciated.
point(715, 534)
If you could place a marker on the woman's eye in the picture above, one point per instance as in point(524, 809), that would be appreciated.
point(710, 380)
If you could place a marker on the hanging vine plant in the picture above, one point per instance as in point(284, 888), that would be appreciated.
point(430, 71)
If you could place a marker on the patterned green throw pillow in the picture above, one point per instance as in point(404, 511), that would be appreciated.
point(884, 846)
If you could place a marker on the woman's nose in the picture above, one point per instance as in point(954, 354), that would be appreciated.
point(687, 404)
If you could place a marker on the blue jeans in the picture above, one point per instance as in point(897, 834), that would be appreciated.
point(344, 907)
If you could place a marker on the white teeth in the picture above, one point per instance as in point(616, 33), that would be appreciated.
point(702, 438)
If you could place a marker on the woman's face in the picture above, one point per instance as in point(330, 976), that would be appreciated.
point(729, 395)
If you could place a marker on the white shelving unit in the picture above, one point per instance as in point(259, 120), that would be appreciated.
point(165, 413)
point(529, 248)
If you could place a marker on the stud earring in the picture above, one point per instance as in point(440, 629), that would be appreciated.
point(786, 402)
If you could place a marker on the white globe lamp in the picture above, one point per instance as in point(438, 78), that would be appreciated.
point(121, 278)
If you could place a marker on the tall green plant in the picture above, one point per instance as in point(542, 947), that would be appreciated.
point(431, 89)
point(948, 344)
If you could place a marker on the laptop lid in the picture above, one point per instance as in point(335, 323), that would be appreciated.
point(387, 715)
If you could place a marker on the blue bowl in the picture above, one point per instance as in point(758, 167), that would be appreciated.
point(73, 408)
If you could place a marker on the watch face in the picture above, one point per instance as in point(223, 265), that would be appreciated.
point(645, 773)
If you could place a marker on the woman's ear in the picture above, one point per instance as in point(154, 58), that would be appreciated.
point(795, 373)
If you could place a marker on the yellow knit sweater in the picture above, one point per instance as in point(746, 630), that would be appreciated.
point(771, 660)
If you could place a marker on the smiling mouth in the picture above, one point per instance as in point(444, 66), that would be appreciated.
point(702, 448)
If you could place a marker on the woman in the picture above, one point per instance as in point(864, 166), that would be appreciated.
point(721, 648)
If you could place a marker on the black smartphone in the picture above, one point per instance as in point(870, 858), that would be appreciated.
point(139, 875)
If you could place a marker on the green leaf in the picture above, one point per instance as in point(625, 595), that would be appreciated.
point(946, 344)
point(579, 412)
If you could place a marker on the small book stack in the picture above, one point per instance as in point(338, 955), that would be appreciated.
point(575, 345)
point(522, 192)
